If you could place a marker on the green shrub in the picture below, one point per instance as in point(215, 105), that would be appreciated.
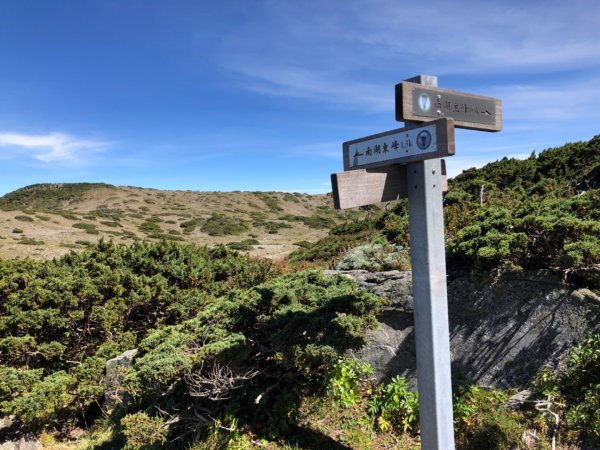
point(15, 382)
point(142, 431)
point(24, 218)
point(149, 227)
point(110, 223)
point(269, 200)
point(222, 225)
point(67, 215)
point(376, 257)
point(41, 406)
point(89, 228)
point(48, 196)
point(483, 422)
point(318, 222)
point(30, 241)
point(246, 245)
point(87, 306)
point(394, 405)
point(346, 379)
point(580, 384)
point(272, 227)
point(293, 328)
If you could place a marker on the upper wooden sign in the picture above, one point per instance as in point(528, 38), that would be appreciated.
point(418, 103)
point(401, 146)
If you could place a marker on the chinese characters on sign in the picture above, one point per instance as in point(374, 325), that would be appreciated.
point(400, 146)
point(415, 102)
point(393, 146)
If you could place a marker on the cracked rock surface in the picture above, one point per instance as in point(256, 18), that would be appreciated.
point(502, 330)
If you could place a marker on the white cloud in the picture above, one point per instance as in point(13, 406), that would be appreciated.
point(350, 54)
point(53, 147)
point(292, 81)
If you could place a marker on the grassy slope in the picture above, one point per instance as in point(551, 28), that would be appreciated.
point(45, 221)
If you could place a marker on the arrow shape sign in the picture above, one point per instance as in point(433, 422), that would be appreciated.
point(400, 146)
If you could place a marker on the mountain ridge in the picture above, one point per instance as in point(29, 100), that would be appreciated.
point(46, 220)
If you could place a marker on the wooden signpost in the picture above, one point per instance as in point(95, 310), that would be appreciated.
point(375, 171)
point(422, 103)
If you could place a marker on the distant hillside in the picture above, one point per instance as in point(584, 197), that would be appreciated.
point(541, 212)
point(48, 220)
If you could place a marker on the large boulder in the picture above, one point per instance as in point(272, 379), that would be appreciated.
point(502, 330)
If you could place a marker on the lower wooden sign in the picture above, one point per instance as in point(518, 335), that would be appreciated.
point(363, 187)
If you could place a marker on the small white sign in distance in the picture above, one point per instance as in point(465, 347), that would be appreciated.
point(401, 146)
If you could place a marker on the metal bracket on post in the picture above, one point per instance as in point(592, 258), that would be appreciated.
point(428, 258)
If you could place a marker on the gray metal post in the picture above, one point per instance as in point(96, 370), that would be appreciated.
point(428, 258)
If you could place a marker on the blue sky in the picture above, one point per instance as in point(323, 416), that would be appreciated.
point(260, 95)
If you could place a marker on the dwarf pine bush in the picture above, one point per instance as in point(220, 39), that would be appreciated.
point(376, 257)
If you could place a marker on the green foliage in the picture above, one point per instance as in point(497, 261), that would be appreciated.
point(44, 402)
point(482, 422)
point(108, 213)
point(191, 312)
point(271, 226)
point(580, 384)
point(143, 431)
point(490, 241)
point(270, 200)
point(290, 329)
point(190, 225)
point(222, 225)
point(47, 196)
point(30, 241)
point(376, 257)
point(14, 382)
point(110, 223)
point(150, 226)
point(394, 405)
point(542, 212)
point(87, 307)
point(291, 197)
point(246, 245)
point(346, 379)
point(341, 239)
point(24, 218)
point(89, 228)
point(318, 221)
point(67, 215)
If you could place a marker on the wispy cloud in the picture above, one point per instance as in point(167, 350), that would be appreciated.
point(348, 54)
point(293, 81)
point(330, 149)
point(51, 148)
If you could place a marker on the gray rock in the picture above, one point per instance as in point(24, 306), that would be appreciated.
point(115, 395)
point(517, 400)
point(585, 295)
point(394, 285)
point(502, 330)
point(14, 436)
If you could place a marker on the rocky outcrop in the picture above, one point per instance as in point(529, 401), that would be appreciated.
point(502, 330)
point(14, 436)
point(115, 395)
